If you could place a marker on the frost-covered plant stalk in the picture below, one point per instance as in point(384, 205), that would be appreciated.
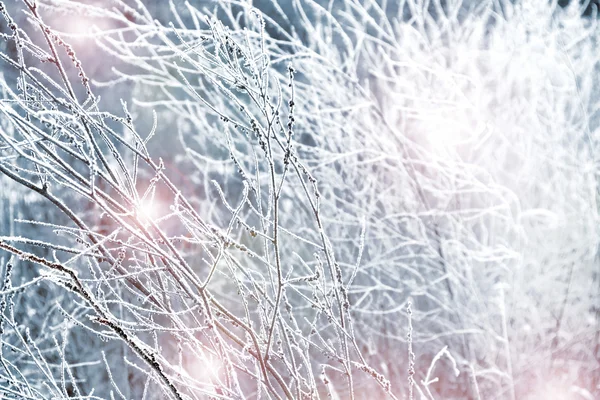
point(283, 183)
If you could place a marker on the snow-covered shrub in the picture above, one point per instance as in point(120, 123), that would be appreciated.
point(290, 188)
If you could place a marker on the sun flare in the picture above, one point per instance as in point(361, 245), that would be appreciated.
point(148, 210)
